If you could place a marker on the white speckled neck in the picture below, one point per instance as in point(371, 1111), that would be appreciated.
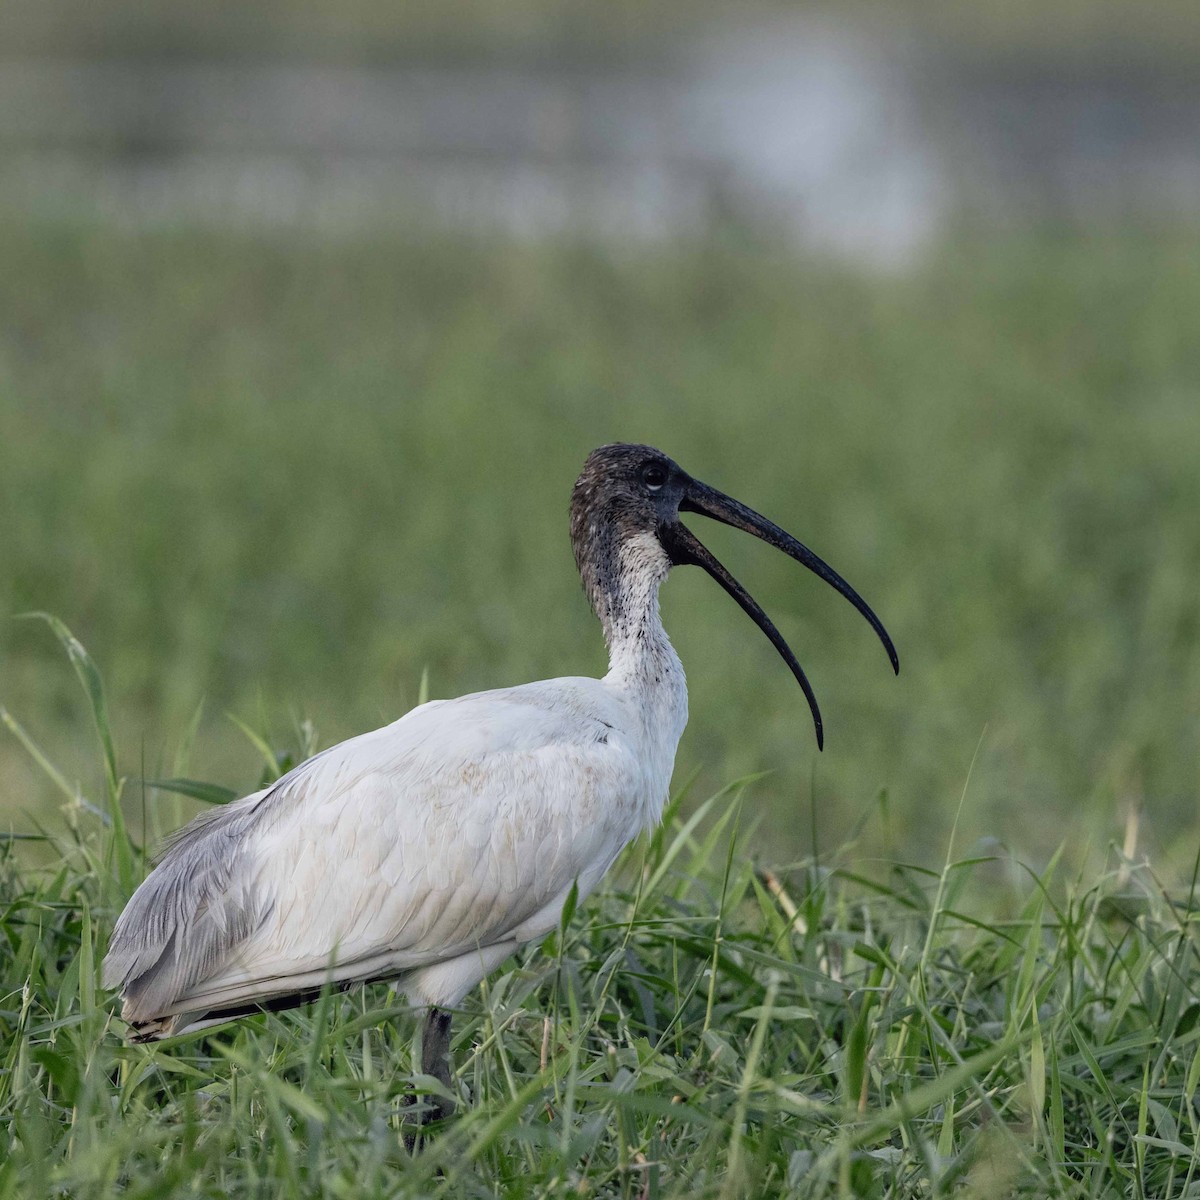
point(643, 665)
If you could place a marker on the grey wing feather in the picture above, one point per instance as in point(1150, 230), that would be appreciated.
point(189, 915)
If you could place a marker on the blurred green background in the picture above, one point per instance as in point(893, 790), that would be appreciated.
point(281, 472)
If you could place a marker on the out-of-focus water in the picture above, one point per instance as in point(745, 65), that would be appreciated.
point(834, 139)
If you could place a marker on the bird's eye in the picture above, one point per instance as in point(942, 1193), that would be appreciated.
point(654, 475)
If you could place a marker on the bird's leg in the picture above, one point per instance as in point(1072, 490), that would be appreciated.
point(435, 1058)
point(435, 1061)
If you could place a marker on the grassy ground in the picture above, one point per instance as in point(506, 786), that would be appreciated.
point(700, 1029)
point(284, 480)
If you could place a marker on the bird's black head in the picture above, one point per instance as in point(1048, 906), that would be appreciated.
point(626, 507)
point(627, 488)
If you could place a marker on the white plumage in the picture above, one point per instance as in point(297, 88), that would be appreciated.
point(430, 849)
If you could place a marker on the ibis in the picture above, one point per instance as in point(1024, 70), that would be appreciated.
point(428, 851)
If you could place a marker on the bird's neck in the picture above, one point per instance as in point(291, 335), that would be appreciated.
point(622, 577)
point(624, 593)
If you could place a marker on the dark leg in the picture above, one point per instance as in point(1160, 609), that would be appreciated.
point(435, 1058)
point(435, 1061)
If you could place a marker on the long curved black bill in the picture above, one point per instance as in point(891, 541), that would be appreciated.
point(684, 547)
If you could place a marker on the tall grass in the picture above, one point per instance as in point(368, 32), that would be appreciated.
point(703, 1027)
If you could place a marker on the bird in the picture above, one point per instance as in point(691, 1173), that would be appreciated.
point(426, 852)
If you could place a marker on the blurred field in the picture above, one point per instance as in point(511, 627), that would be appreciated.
point(284, 479)
point(364, 30)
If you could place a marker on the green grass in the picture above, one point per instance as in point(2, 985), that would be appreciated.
point(281, 479)
point(287, 482)
point(701, 1028)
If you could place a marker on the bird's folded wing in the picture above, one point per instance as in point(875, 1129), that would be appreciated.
point(451, 830)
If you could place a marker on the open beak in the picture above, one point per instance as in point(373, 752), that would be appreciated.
point(684, 548)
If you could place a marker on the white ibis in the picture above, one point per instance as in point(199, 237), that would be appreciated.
point(427, 851)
